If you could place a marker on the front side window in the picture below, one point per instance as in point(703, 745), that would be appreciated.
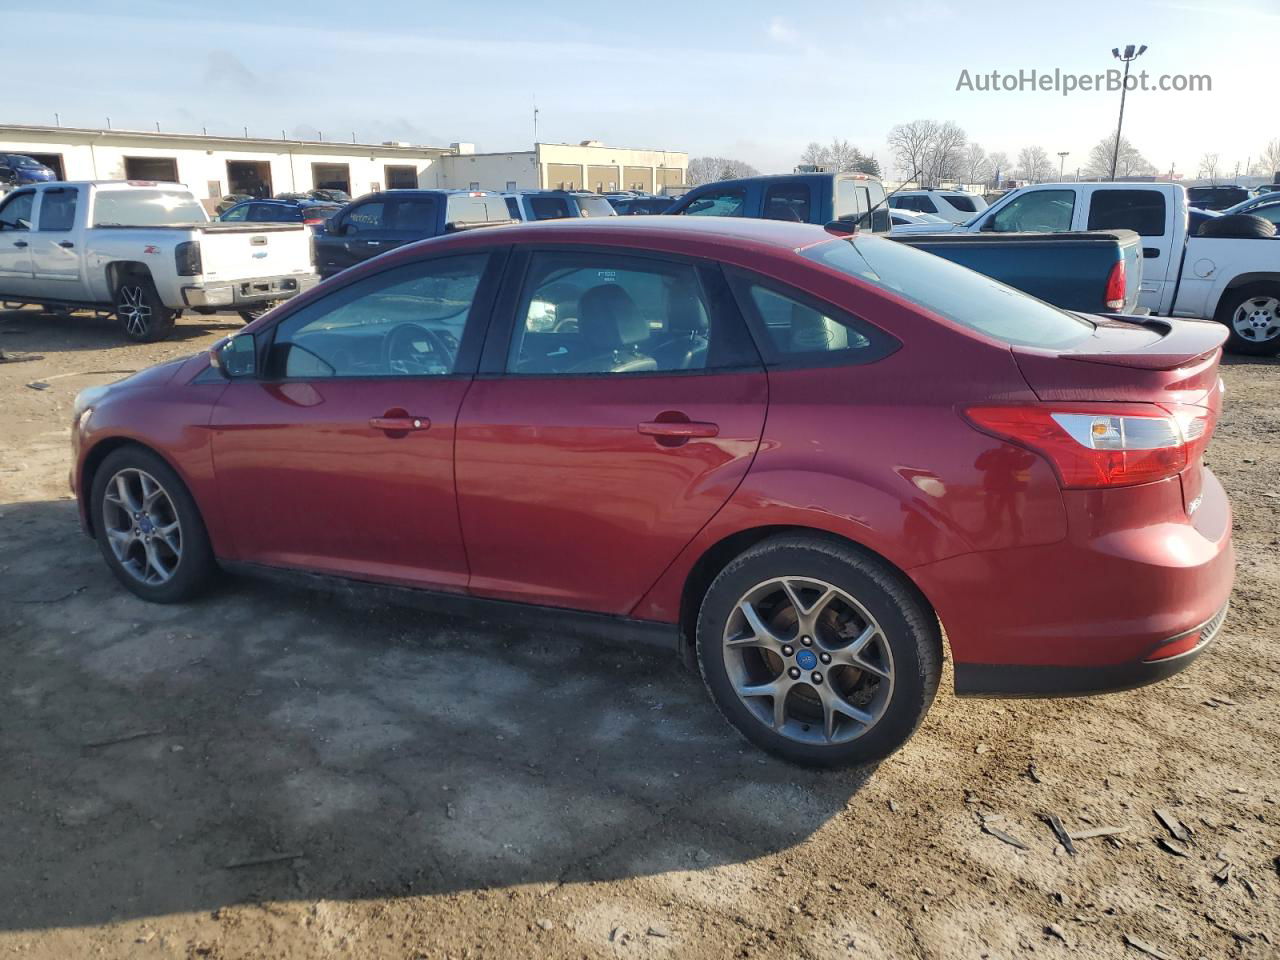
point(718, 203)
point(953, 292)
point(237, 214)
point(549, 208)
point(15, 213)
point(1040, 211)
point(367, 217)
point(787, 201)
point(1141, 211)
point(1268, 211)
point(404, 322)
point(584, 313)
point(58, 210)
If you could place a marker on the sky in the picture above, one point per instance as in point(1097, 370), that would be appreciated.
point(749, 80)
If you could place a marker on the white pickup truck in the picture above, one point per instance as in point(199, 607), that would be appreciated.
point(143, 251)
point(1234, 279)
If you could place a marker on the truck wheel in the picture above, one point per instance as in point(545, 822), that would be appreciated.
point(1240, 225)
point(1252, 318)
point(142, 314)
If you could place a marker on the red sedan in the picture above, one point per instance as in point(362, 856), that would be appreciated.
point(799, 456)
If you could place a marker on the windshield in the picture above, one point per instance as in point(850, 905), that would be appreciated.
point(954, 292)
point(596, 207)
point(1244, 205)
point(146, 208)
point(25, 162)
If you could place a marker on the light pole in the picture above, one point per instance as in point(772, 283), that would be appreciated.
point(1129, 55)
point(1062, 159)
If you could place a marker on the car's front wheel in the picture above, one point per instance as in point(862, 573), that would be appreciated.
point(142, 314)
point(149, 528)
point(818, 652)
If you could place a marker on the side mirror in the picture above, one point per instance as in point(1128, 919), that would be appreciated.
point(988, 225)
point(335, 227)
point(236, 358)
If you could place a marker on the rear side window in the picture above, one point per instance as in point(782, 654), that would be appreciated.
point(787, 201)
point(960, 295)
point(798, 330)
point(717, 203)
point(549, 208)
point(58, 210)
point(1141, 211)
point(475, 210)
point(414, 217)
point(513, 208)
point(961, 202)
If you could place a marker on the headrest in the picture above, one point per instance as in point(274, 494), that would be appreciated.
point(609, 319)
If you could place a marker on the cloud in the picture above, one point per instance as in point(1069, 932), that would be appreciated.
point(783, 32)
point(223, 69)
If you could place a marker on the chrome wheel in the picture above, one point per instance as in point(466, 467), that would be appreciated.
point(141, 526)
point(808, 660)
point(1257, 319)
point(133, 309)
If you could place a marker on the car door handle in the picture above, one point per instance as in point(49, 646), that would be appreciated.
point(373, 243)
point(1150, 253)
point(19, 243)
point(399, 424)
point(66, 244)
point(678, 429)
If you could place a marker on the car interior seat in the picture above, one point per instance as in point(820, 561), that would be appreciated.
point(613, 329)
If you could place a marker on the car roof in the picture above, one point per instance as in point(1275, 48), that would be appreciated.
point(743, 181)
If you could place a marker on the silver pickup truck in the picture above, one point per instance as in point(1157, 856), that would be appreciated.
point(143, 251)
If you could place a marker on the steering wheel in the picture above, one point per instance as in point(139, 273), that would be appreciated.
point(411, 348)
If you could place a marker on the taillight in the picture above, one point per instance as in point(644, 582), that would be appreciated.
point(1114, 295)
point(313, 221)
point(186, 257)
point(1103, 444)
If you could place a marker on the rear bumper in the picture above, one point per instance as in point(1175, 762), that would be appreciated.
point(248, 292)
point(1004, 680)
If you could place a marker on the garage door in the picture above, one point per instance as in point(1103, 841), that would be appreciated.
point(670, 177)
point(249, 177)
point(602, 179)
point(331, 176)
point(163, 169)
point(401, 177)
point(564, 176)
point(51, 160)
point(638, 178)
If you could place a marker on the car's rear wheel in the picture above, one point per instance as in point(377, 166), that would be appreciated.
point(142, 314)
point(1252, 316)
point(148, 527)
point(818, 652)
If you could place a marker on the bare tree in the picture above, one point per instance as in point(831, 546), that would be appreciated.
point(1034, 165)
point(1270, 161)
point(709, 169)
point(910, 143)
point(1129, 162)
point(1209, 166)
point(945, 157)
point(815, 154)
point(1000, 168)
point(839, 156)
point(977, 168)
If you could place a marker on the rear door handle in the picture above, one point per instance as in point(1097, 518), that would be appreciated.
point(19, 243)
point(679, 429)
point(399, 424)
point(66, 244)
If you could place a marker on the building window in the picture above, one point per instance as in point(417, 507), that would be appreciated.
point(475, 185)
point(160, 169)
point(511, 186)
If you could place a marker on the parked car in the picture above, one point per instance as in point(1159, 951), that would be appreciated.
point(313, 213)
point(790, 455)
point(955, 206)
point(555, 205)
point(794, 197)
point(144, 251)
point(330, 195)
point(1266, 205)
point(641, 205)
point(230, 200)
point(22, 169)
point(906, 222)
point(1095, 272)
point(379, 222)
point(1232, 276)
point(1217, 197)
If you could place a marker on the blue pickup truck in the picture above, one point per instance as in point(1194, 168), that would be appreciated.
point(1091, 272)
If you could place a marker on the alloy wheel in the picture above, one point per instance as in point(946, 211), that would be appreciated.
point(808, 660)
point(1257, 319)
point(142, 527)
point(133, 309)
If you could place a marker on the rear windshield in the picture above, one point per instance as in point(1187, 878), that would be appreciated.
point(595, 207)
point(961, 202)
point(146, 208)
point(954, 292)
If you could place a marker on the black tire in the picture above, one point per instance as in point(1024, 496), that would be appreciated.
point(909, 629)
point(195, 564)
point(1241, 225)
point(142, 314)
point(1257, 330)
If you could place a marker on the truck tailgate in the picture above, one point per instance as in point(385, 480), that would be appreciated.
point(234, 251)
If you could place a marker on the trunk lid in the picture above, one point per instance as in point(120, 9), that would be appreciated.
point(1137, 360)
point(250, 251)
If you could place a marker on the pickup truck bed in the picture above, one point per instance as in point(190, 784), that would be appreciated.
point(1068, 270)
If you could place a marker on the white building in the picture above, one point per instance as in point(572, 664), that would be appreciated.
point(215, 166)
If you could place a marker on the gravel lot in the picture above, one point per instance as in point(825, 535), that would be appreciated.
point(268, 773)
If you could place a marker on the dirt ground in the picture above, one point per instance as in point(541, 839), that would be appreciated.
point(268, 773)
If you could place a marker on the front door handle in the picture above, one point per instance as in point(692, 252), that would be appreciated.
point(399, 424)
point(19, 243)
point(66, 244)
point(679, 429)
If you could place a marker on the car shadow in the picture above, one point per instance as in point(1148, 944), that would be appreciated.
point(270, 743)
point(33, 331)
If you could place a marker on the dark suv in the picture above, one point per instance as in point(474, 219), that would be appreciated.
point(379, 222)
point(794, 197)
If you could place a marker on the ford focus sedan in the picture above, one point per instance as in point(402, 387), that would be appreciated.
point(798, 457)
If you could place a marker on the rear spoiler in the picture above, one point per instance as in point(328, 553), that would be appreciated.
point(457, 226)
point(1181, 342)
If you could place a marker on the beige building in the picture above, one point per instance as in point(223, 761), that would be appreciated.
point(215, 166)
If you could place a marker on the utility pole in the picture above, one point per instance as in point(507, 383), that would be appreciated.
point(1128, 57)
point(535, 119)
point(1062, 158)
